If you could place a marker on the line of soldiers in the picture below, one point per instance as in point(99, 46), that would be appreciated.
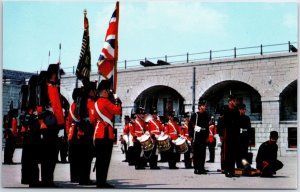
point(146, 136)
point(46, 116)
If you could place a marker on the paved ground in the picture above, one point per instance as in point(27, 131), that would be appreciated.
point(123, 176)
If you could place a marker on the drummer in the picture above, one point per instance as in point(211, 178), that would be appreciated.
point(128, 134)
point(155, 129)
point(173, 130)
point(139, 130)
point(198, 130)
point(185, 134)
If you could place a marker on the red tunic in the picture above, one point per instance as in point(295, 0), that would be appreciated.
point(139, 127)
point(55, 103)
point(128, 130)
point(172, 129)
point(105, 110)
point(155, 127)
point(185, 131)
point(72, 119)
point(212, 132)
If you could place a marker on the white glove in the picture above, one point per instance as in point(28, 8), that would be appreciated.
point(173, 141)
point(147, 133)
point(197, 128)
point(189, 142)
point(61, 133)
point(162, 134)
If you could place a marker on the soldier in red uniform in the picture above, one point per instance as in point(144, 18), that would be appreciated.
point(139, 130)
point(211, 141)
point(155, 128)
point(104, 135)
point(185, 134)
point(52, 115)
point(72, 130)
point(173, 130)
point(128, 136)
point(86, 131)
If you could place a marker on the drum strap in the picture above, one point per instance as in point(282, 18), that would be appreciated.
point(139, 125)
point(154, 124)
point(175, 131)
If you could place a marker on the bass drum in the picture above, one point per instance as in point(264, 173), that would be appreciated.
point(146, 142)
point(181, 145)
point(163, 143)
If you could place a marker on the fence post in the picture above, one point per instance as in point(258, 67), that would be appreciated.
point(289, 46)
point(187, 57)
point(210, 55)
point(125, 64)
point(234, 52)
point(73, 70)
point(165, 58)
point(261, 49)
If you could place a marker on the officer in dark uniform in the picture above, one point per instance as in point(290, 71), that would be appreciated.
point(245, 126)
point(229, 128)
point(198, 130)
point(266, 159)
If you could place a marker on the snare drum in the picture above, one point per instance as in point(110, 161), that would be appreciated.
point(146, 142)
point(163, 143)
point(181, 145)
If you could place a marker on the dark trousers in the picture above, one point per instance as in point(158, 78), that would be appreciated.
point(103, 148)
point(137, 159)
point(63, 149)
point(271, 168)
point(130, 155)
point(199, 148)
point(211, 149)
point(86, 152)
point(9, 149)
point(49, 155)
point(30, 159)
point(151, 156)
point(187, 158)
point(74, 160)
point(242, 150)
point(171, 156)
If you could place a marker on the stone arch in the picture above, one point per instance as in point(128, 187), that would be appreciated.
point(288, 102)
point(233, 75)
point(162, 97)
point(217, 96)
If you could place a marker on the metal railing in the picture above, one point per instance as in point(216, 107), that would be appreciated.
point(204, 56)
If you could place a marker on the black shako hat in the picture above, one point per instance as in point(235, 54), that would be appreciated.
point(242, 106)
point(172, 113)
point(104, 84)
point(54, 68)
point(140, 110)
point(76, 93)
point(202, 101)
point(186, 114)
point(127, 118)
point(90, 85)
point(153, 111)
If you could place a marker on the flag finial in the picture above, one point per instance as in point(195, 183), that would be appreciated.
point(85, 12)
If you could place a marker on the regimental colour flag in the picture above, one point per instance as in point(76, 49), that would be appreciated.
point(84, 65)
point(107, 62)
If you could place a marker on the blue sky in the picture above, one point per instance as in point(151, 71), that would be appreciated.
point(146, 29)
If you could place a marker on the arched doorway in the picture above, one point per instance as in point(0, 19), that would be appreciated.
point(164, 98)
point(288, 102)
point(217, 95)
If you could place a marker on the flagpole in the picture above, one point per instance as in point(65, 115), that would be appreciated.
point(49, 57)
point(116, 49)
